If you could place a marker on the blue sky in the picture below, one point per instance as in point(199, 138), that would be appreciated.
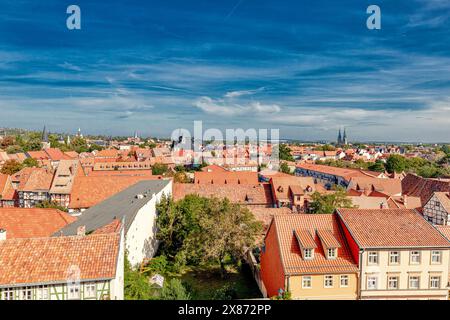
point(305, 67)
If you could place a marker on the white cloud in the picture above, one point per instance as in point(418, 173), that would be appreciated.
point(226, 108)
point(235, 94)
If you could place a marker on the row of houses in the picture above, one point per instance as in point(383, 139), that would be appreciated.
point(355, 254)
point(46, 254)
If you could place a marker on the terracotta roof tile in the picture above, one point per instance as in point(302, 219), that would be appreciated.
point(226, 177)
point(391, 228)
point(413, 185)
point(32, 222)
point(49, 260)
point(292, 260)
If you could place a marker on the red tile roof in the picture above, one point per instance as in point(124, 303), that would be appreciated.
point(34, 179)
point(89, 191)
point(259, 194)
point(291, 257)
point(49, 260)
point(391, 228)
point(416, 186)
point(386, 186)
point(56, 154)
point(226, 177)
point(32, 222)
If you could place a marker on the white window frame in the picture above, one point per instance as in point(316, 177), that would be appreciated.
point(343, 281)
point(409, 282)
point(308, 253)
point(305, 281)
point(433, 280)
point(42, 292)
point(331, 253)
point(396, 281)
point(394, 254)
point(26, 293)
point(372, 255)
point(415, 254)
point(90, 290)
point(8, 294)
point(436, 253)
point(74, 291)
point(373, 279)
point(326, 281)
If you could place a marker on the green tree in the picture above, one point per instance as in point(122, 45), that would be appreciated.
point(328, 203)
point(174, 290)
point(51, 204)
point(396, 163)
point(285, 153)
point(11, 166)
point(378, 165)
point(285, 168)
point(30, 162)
point(159, 169)
point(136, 285)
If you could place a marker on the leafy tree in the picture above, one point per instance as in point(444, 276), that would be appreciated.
point(326, 147)
point(199, 230)
point(174, 290)
point(30, 162)
point(51, 204)
point(136, 285)
point(225, 231)
point(328, 203)
point(285, 153)
point(79, 145)
point(14, 149)
point(285, 168)
point(159, 169)
point(11, 166)
point(225, 293)
point(396, 163)
point(378, 165)
point(7, 141)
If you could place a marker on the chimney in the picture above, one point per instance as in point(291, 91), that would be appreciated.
point(405, 201)
point(2, 234)
point(381, 205)
point(81, 231)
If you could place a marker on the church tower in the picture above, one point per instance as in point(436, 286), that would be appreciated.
point(344, 140)
point(339, 139)
point(45, 141)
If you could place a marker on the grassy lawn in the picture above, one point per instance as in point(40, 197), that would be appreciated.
point(204, 281)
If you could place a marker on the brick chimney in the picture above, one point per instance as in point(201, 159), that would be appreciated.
point(81, 231)
point(405, 201)
point(2, 234)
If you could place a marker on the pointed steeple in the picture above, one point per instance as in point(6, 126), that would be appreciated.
point(345, 137)
point(339, 139)
point(44, 135)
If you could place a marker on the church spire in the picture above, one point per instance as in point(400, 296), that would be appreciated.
point(339, 139)
point(44, 135)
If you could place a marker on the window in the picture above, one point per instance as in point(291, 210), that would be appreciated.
point(414, 282)
point(90, 290)
point(7, 294)
point(373, 257)
point(415, 257)
point(308, 253)
point(331, 252)
point(344, 281)
point(306, 282)
point(436, 257)
point(435, 282)
point(42, 293)
point(372, 283)
point(27, 293)
point(74, 291)
point(393, 282)
point(328, 282)
point(394, 257)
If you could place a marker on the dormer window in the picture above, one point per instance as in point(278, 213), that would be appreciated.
point(331, 253)
point(329, 243)
point(308, 254)
point(306, 243)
